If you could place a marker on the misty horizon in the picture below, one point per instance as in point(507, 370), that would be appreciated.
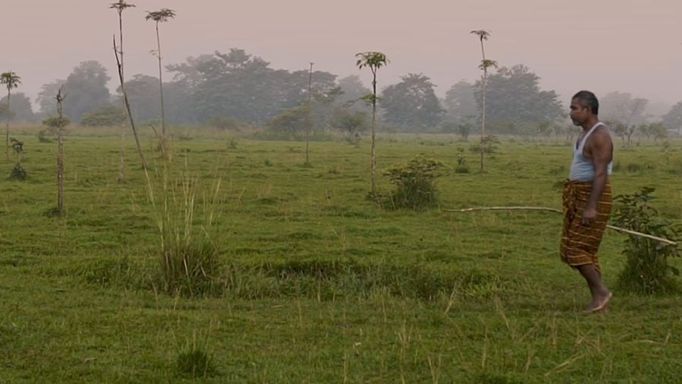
point(605, 47)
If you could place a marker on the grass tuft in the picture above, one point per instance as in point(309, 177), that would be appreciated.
point(195, 361)
point(189, 260)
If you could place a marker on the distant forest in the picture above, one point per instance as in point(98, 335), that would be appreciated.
point(236, 90)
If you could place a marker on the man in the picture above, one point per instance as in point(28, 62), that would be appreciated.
point(587, 197)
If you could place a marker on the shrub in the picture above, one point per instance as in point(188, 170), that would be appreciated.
point(53, 123)
point(489, 144)
point(18, 172)
point(350, 123)
point(462, 166)
point(107, 116)
point(292, 123)
point(44, 135)
point(646, 270)
point(224, 123)
point(415, 183)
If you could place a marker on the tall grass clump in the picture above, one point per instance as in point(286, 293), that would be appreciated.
point(185, 217)
point(195, 361)
point(415, 183)
point(646, 269)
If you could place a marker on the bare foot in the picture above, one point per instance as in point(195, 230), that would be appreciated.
point(600, 302)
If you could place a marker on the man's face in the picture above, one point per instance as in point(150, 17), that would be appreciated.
point(579, 112)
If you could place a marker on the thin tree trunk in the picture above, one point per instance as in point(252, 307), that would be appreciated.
point(121, 166)
point(150, 189)
point(60, 156)
point(485, 79)
point(9, 115)
point(310, 111)
point(120, 35)
point(373, 156)
point(60, 171)
point(163, 110)
point(126, 103)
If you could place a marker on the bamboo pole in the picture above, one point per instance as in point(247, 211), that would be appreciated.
point(546, 209)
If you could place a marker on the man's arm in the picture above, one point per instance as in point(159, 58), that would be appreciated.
point(600, 152)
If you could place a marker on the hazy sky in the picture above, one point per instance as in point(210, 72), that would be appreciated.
point(604, 45)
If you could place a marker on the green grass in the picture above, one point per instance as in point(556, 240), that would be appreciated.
point(318, 284)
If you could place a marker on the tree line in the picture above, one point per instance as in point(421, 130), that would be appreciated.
point(234, 88)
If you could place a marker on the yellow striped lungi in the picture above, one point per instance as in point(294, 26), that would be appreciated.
point(580, 243)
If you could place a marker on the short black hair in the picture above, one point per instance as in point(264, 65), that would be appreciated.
point(589, 100)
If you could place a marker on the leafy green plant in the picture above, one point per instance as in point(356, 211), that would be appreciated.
point(18, 172)
point(415, 183)
point(462, 166)
point(646, 270)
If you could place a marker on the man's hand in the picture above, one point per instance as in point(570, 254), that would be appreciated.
point(589, 215)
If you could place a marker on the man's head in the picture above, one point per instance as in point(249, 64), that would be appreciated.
point(584, 106)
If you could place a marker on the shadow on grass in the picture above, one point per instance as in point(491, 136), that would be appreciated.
point(318, 279)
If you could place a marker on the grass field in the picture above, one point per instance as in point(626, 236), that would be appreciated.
point(318, 284)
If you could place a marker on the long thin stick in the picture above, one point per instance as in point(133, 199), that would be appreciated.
point(546, 209)
point(474, 209)
point(126, 103)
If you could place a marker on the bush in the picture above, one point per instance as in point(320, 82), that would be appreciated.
point(292, 123)
point(224, 123)
point(646, 269)
point(18, 173)
point(44, 135)
point(462, 166)
point(350, 123)
point(415, 182)
point(489, 144)
point(107, 116)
